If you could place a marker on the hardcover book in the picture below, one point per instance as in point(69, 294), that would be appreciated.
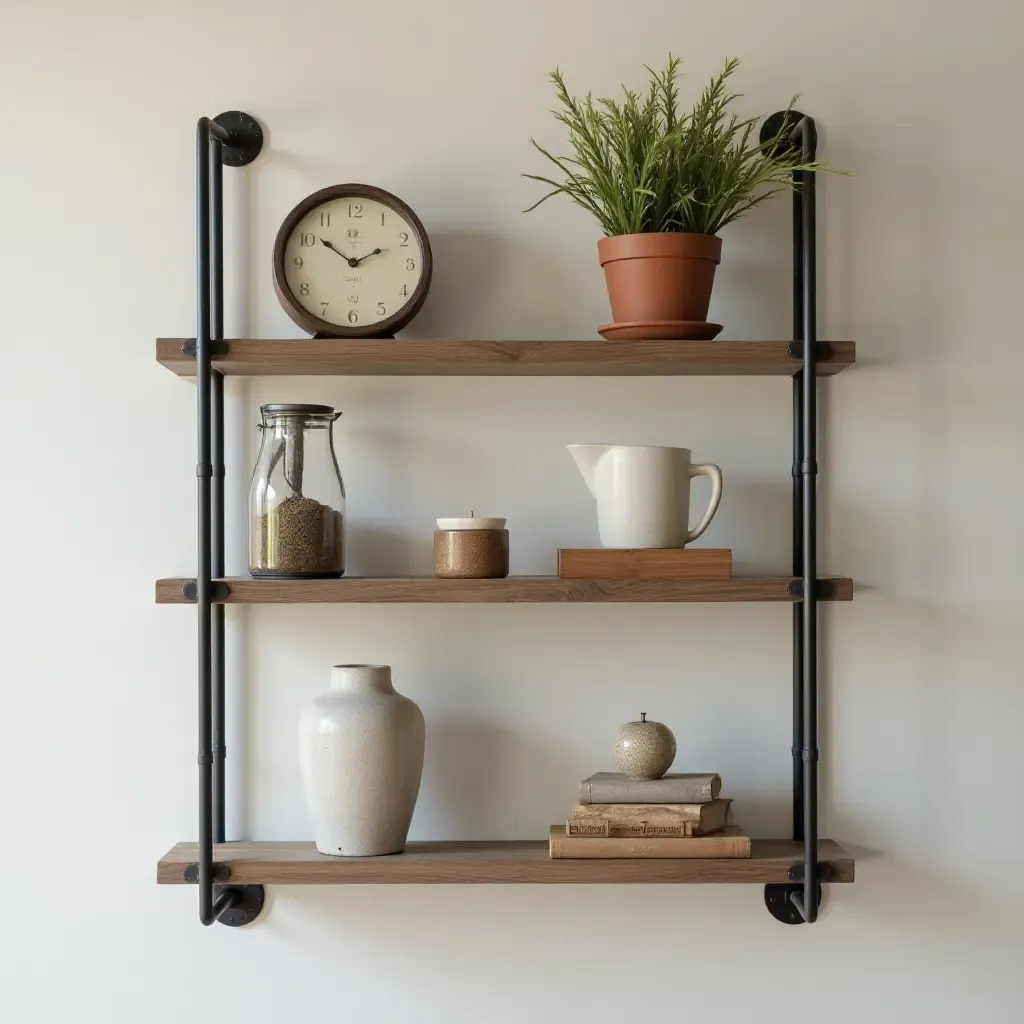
point(613, 788)
point(730, 842)
point(687, 819)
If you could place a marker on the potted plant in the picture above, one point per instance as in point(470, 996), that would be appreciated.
point(662, 184)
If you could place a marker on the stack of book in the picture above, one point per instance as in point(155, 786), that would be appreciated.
point(674, 816)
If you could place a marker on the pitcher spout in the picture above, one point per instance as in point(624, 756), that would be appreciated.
point(587, 457)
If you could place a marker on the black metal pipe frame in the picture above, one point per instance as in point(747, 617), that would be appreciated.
point(210, 139)
point(805, 623)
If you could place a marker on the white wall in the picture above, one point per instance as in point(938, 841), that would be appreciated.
point(922, 487)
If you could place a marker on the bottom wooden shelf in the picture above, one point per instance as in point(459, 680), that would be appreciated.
point(443, 863)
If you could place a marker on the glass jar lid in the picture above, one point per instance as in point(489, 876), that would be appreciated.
point(296, 409)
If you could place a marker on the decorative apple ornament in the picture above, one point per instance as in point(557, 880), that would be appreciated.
point(644, 750)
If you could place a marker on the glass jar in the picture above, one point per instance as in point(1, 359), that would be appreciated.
point(297, 497)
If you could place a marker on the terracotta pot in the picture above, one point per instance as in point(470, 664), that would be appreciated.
point(659, 276)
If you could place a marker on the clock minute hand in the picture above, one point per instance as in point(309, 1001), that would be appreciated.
point(330, 245)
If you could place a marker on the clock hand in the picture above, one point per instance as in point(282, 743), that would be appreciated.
point(356, 262)
point(352, 261)
point(330, 245)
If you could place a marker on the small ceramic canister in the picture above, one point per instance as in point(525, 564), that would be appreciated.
point(644, 750)
point(471, 549)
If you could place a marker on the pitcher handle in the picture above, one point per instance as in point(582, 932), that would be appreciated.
point(715, 475)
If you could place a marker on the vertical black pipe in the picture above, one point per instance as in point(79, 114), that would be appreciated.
point(203, 474)
point(217, 484)
point(797, 523)
point(810, 531)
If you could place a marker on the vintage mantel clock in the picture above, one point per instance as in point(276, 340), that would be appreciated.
point(352, 261)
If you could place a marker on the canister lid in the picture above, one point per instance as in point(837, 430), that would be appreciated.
point(472, 523)
point(296, 409)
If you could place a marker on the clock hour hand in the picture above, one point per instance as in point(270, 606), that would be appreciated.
point(356, 262)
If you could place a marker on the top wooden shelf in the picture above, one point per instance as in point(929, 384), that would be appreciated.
point(252, 357)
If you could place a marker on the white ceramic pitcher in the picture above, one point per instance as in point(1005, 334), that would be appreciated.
point(643, 493)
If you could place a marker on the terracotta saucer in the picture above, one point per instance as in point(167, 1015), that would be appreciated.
point(660, 330)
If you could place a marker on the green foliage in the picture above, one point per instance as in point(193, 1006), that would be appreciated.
point(640, 164)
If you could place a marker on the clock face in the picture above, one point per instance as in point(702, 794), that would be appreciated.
point(352, 261)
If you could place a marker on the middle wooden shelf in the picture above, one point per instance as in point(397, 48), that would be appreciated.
point(512, 590)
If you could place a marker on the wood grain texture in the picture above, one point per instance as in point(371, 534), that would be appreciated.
point(443, 863)
point(266, 357)
point(513, 590)
point(644, 563)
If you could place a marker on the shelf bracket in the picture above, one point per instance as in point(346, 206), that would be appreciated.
point(240, 904)
point(826, 872)
point(217, 348)
point(789, 133)
point(822, 351)
point(219, 591)
point(823, 589)
point(786, 902)
point(231, 139)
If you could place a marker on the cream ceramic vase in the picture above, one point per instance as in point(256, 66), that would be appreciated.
point(361, 753)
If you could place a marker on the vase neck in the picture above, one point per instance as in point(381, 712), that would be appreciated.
point(362, 678)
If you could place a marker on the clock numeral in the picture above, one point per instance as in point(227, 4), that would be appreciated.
point(410, 264)
point(382, 220)
point(323, 308)
point(353, 316)
point(298, 262)
point(404, 290)
point(404, 236)
point(307, 238)
point(353, 298)
point(325, 219)
point(304, 288)
point(381, 311)
point(355, 210)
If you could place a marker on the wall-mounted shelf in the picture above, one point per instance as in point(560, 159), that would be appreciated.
point(230, 876)
point(444, 863)
point(513, 590)
point(251, 357)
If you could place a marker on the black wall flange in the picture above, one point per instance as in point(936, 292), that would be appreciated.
point(822, 350)
point(218, 591)
point(245, 901)
point(246, 138)
point(246, 904)
point(779, 899)
point(217, 348)
point(824, 589)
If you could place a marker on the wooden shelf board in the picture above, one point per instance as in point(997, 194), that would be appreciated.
point(254, 357)
point(514, 589)
point(489, 862)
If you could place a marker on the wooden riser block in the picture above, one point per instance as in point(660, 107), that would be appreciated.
point(645, 563)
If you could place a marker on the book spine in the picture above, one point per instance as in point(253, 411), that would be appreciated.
point(606, 829)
